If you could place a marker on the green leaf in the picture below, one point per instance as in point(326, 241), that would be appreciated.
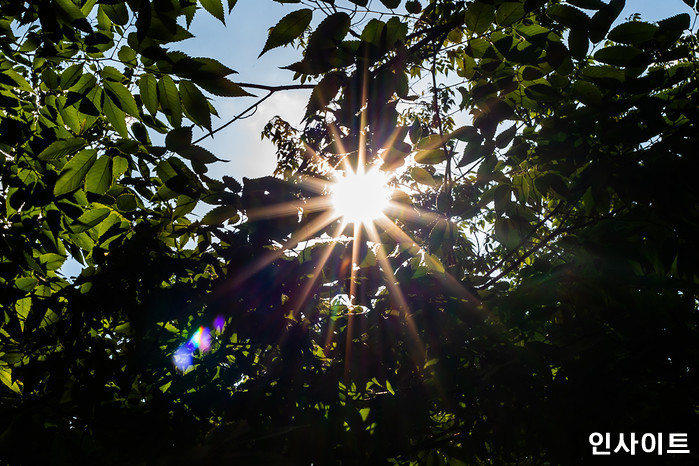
point(117, 12)
point(70, 9)
point(587, 4)
point(509, 13)
point(198, 68)
point(290, 27)
point(128, 56)
point(26, 284)
point(148, 87)
point(505, 137)
point(222, 87)
point(430, 156)
point(392, 4)
point(115, 116)
point(587, 93)
point(179, 138)
point(6, 372)
point(112, 74)
point(323, 93)
point(22, 307)
point(119, 167)
point(633, 32)
point(568, 16)
point(479, 17)
point(61, 148)
point(18, 80)
point(219, 215)
point(413, 7)
point(433, 141)
point(52, 261)
point(73, 173)
point(121, 96)
point(195, 104)
point(90, 219)
point(178, 177)
point(578, 43)
point(126, 202)
point(198, 154)
point(71, 75)
point(603, 75)
point(231, 4)
point(465, 133)
point(215, 7)
point(618, 55)
point(170, 100)
point(678, 22)
point(422, 176)
point(99, 178)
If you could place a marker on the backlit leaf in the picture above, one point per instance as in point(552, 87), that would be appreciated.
point(169, 99)
point(422, 176)
point(115, 116)
point(219, 215)
point(121, 96)
point(61, 148)
point(90, 219)
point(430, 156)
point(148, 87)
point(73, 173)
point(99, 177)
point(509, 13)
point(479, 17)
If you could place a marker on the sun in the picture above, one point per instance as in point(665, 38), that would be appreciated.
point(360, 197)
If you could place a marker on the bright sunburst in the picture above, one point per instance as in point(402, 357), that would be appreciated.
point(360, 197)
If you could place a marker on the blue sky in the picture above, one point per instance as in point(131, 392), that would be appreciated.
point(239, 43)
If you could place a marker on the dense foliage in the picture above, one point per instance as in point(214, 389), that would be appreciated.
point(538, 282)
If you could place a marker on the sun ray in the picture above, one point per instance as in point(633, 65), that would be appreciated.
point(445, 278)
point(306, 232)
point(352, 295)
point(308, 287)
point(289, 208)
point(396, 294)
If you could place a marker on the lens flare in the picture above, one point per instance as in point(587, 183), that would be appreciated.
point(219, 323)
point(360, 197)
point(202, 339)
point(182, 359)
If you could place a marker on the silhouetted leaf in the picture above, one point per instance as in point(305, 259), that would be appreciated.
point(479, 17)
point(634, 32)
point(215, 7)
point(290, 27)
point(195, 105)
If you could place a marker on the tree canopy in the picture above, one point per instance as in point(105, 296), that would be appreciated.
point(533, 279)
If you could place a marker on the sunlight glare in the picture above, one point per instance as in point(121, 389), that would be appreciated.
point(360, 197)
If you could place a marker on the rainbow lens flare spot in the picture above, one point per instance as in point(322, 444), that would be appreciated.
point(182, 359)
point(219, 323)
point(202, 339)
